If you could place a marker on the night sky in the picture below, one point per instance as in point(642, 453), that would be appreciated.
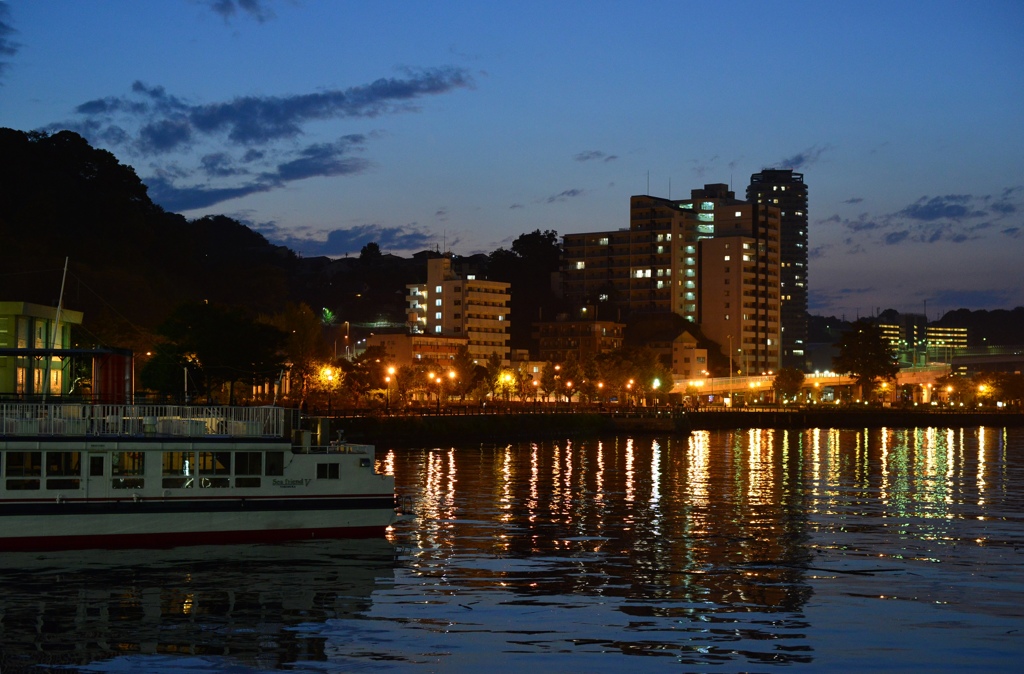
point(461, 125)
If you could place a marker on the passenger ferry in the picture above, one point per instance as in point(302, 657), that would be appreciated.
point(77, 476)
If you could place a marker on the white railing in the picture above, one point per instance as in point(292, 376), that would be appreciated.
point(65, 419)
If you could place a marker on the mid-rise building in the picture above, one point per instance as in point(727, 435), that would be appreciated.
point(406, 349)
point(581, 337)
point(786, 190)
point(945, 342)
point(450, 305)
point(711, 259)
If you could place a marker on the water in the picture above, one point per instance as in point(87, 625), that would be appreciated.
point(891, 550)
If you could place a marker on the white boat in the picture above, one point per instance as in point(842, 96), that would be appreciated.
point(80, 476)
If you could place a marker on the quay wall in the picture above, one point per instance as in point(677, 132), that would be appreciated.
point(442, 430)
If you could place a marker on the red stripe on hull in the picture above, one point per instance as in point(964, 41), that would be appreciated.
point(125, 541)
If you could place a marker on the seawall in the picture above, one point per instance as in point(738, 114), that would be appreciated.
point(442, 430)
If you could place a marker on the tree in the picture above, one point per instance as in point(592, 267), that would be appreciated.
point(370, 252)
point(787, 383)
point(225, 344)
point(865, 354)
point(304, 344)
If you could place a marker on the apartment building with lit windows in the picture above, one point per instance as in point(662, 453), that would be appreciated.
point(449, 305)
point(786, 190)
point(670, 254)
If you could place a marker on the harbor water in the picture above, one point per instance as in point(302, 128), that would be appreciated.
point(725, 551)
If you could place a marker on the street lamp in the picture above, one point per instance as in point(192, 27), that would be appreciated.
point(330, 387)
point(568, 392)
point(387, 392)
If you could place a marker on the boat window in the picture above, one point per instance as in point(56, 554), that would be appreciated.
point(275, 463)
point(127, 469)
point(178, 469)
point(63, 470)
point(248, 464)
point(23, 470)
point(214, 469)
point(327, 471)
point(96, 466)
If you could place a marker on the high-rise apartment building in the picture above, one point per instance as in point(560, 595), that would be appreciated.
point(786, 190)
point(448, 305)
point(711, 258)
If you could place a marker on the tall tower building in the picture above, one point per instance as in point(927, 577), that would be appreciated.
point(787, 191)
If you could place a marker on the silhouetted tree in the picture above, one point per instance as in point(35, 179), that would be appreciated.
point(865, 354)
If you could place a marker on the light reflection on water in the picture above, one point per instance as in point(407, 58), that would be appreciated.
point(892, 549)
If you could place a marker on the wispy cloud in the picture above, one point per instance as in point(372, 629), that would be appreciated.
point(247, 144)
point(339, 242)
point(853, 200)
point(318, 159)
point(167, 122)
point(8, 47)
point(953, 218)
point(257, 9)
point(805, 158)
point(594, 155)
point(564, 195)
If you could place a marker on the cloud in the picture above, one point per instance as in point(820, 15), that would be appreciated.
point(952, 218)
point(594, 155)
point(892, 238)
point(338, 242)
point(805, 158)
point(174, 198)
point(322, 159)
point(854, 200)
point(257, 9)
point(565, 195)
point(168, 123)
point(1013, 232)
point(8, 47)
point(318, 159)
point(952, 206)
point(254, 137)
point(516, 206)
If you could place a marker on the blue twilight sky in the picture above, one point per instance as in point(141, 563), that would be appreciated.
point(326, 124)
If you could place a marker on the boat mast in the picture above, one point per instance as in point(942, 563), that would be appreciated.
point(56, 328)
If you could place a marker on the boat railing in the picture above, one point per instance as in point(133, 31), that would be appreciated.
point(76, 419)
point(334, 448)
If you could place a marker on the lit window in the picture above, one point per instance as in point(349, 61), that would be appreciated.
point(437, 289)
point(437, 302)
point(437, 328)
point(707, 206)
point(739, 214)
point(580, 264)
point(437, 315)
point(728, 257)
point(603, 241)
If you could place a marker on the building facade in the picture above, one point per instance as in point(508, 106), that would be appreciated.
point(32, 337)
point(786, 190)
point(450, 305)
point(582, 338)
point(712, 259)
